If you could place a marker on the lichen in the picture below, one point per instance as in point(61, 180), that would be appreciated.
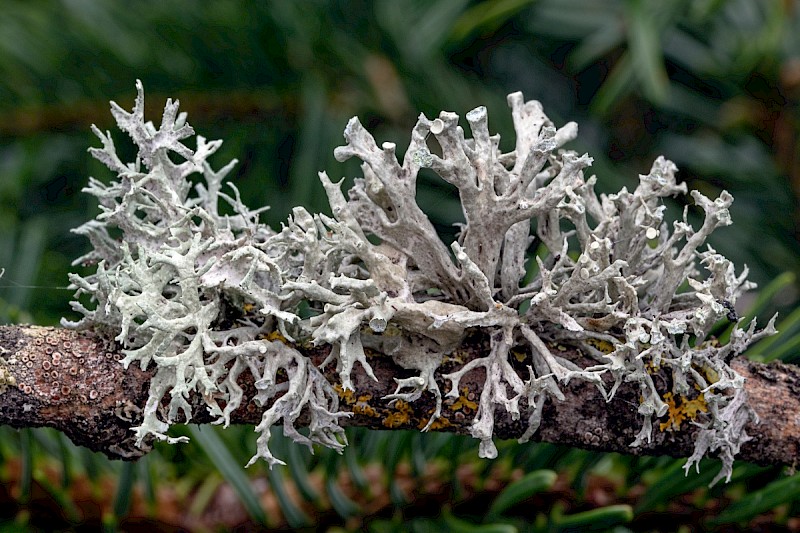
point(7, 379)
point(207, 297)
point(681, 409)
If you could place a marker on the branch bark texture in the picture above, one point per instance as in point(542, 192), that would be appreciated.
point(73, 381)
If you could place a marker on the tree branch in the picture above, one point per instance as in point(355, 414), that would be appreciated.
point(73, 381)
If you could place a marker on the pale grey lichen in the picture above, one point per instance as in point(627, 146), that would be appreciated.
point(202, 294)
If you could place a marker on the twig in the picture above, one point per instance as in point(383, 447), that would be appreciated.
point(74, 382)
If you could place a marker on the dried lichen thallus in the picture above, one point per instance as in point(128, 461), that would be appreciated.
point(620, 275)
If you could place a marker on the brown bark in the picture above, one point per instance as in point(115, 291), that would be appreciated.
point(72, 381)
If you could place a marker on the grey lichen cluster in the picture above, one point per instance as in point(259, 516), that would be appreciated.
point(199, 294)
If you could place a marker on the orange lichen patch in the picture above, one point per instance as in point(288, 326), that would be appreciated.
point(248, 307)
point(710, 374)
point(347, 395)
point(400, 416)
point(366, 410)
point(454, 357)
point(362, 407)
point(463, 402)
point(439, 423)
point(276, 336)
point(519, 356)
point(681, 409)
point(602, 345)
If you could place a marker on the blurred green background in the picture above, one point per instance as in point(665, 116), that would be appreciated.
point(713, 85)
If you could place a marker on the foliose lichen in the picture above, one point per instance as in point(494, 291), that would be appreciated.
point(609, 271)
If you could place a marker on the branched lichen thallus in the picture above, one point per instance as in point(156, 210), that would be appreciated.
point(610, 272)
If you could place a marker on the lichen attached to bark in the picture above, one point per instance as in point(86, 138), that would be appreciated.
point(542, 259)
